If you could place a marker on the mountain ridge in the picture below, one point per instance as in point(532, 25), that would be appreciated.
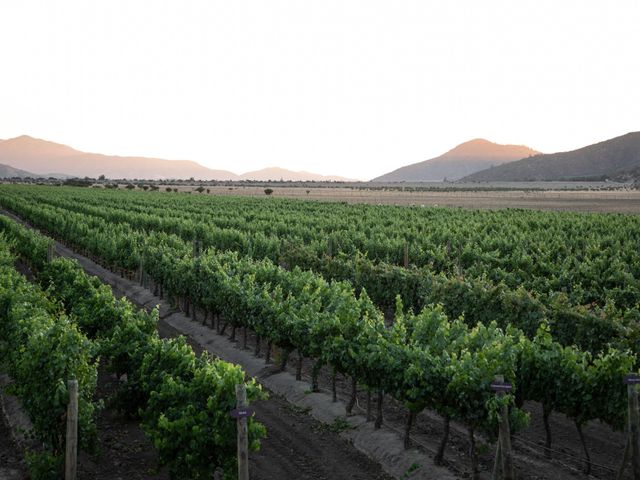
point(614, 158)
point(7, 171)
point(41, 156)
point(279, 173)
point(462, 160)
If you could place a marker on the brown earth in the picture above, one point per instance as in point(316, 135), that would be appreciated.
point(567, 459)
point(297, 446)
point(123, 450)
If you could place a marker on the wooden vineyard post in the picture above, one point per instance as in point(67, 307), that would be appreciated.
point(504, 460)
point(241, 413)
point(71, 456)
point(50, 252)
point(632, 450)
point(141, 273)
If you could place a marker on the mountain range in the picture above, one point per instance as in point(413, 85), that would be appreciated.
point(477, 160)
point(483, 161)
point(277, 173)
point(463, 160)
point(36, 157)
point(616, 159)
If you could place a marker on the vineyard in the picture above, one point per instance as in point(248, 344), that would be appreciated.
point(63, 327)
point(423, 305)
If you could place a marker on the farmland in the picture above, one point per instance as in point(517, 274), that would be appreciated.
point(43, 347)
point(423, 306)
point(554, 196)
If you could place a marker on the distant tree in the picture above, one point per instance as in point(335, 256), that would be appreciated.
point(169, 189)
point(200, 189)
point(208, 190)
point(130, 186)
point(154, 188)
point(78, 182)
point(308, 192)
point(145, 187)
point(268, 191)
point(175, 190)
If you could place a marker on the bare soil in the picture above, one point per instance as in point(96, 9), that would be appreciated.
point(567, 459)
point(300, 447)
point(297, 446)
point(531, 462)
point(124, 451)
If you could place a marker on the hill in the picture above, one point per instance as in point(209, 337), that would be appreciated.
point(463, 160)
point(9, 172)
point(41, 156)
point(281, 174)
point(617, 158)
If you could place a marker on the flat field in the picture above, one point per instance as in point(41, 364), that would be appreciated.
point(558, 199)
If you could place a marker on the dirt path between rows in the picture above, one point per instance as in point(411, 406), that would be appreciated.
point(296, 440)
point(300, 443)
point(298, 446)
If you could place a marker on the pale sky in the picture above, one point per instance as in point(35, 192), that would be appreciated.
point(348, 87)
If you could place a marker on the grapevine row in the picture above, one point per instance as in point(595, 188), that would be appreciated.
point(41, 350)
point(424, 360)
point(478, 299)
point(594, 258)
point(182, 400)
